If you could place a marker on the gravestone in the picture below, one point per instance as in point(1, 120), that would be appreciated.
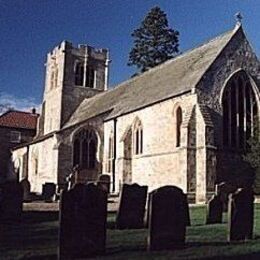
point(104, 182)
point(241, 215)
point(223, 190)
point(26, 190)
point(83, 216)
point(214, 210)
point(48, 191)
point(187, 211)
point(11, 202)
point(130, 214)
point(167, 219)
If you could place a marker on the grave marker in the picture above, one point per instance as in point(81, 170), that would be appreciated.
point(167, 219)
point(83, 216)
point(131, 209)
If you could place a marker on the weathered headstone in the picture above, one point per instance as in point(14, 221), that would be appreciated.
point(83, 216)
point(223, 189)
point(11, 202)
point(131, 209)
point(104, 182)
point(48, 191)
point(187, 211)
point(241, 215)
point(26, 190)
point(214, 210)
point(167, 219)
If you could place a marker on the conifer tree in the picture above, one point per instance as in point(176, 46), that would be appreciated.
point(154, 41)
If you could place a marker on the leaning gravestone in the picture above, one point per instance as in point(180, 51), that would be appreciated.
point(104, 182)
point(26, 190)
point(83, 216)
point(167, 219)
point(241, 215)
point(48, 191)
point(11, 202)
point(214, 210)
point(223, 189)
point(130, 214)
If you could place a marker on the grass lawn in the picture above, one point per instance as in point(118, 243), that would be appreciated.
point(37, 238)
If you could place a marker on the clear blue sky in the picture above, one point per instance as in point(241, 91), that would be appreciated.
point(31, 28)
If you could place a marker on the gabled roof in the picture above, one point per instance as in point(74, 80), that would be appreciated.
point(19, 119)
point(174, 77)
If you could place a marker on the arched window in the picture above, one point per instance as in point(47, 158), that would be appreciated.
point(85, 149)
point(79, 74)
point(178, 126)
point(110, 153)
point(240, 112)
point(138, 138)
point(54, 76)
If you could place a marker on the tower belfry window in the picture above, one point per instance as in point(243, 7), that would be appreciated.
point(90, 77)
point(79, 74)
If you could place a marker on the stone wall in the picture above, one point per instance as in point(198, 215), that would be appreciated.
point(237, 55)
point(161, 163)
point(65, 148)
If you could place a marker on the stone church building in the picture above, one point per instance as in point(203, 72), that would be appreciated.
point(185, 122)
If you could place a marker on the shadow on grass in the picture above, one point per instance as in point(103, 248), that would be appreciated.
point(40, 257)
point(251, 256)
point(39, 216)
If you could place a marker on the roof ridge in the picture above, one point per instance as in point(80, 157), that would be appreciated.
point(173, 59)
point(159, 66)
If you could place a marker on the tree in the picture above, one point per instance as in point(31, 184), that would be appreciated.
point(4, 106)
point(154, 41)
point(252, 156)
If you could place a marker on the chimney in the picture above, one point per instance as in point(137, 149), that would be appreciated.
point(34, 110)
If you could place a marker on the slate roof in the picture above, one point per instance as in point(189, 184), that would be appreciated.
point(19, 119)
point(174, 77)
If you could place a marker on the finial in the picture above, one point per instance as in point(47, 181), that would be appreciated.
point(239, 18)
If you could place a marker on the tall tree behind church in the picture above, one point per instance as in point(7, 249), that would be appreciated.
point(154, 41)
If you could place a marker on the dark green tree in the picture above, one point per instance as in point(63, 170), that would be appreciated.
point(154, 41)
point(253, 158)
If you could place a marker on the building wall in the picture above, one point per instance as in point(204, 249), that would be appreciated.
point(237, 55)
point(42, 163)
point(162, 163)
point(65, 149)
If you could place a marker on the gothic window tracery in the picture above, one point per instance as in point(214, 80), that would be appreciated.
point(85, 149)
point(240, 112)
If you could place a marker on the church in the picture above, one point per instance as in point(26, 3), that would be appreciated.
point(185, 122)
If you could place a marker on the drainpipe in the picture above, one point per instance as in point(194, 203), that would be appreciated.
point(27, 163)
point(114, 159)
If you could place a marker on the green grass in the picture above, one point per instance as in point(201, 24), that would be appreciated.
point(37, 238)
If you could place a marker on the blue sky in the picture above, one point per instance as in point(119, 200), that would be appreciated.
point(31, 28)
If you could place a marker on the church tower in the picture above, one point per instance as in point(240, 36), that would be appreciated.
point(72, 74)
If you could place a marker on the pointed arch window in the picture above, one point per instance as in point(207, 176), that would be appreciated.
point(85, 149)
point(138, 138)
point(240, 112)
point(178, 126)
